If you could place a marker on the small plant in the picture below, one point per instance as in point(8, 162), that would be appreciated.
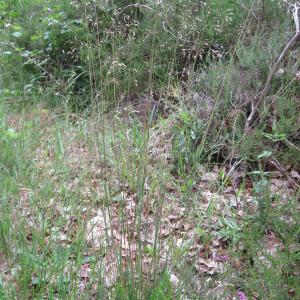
point(4, 236)
point(187, 137)
point(8, 145)
point(230, 231)
point(268, 255)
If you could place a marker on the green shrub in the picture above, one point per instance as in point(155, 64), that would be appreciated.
point(83, 51)
point(233, 85)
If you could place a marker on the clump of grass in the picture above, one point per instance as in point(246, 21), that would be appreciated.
point(270, 243)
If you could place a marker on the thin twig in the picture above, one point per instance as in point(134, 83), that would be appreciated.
point(292, 145)
point(135, 5)
point(274, 162)
point(261, 96)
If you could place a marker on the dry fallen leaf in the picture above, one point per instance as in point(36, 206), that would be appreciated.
point(272, 244)
point(97, 228)
point(210, 177)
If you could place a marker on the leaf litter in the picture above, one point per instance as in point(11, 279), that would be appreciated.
point(117, 231)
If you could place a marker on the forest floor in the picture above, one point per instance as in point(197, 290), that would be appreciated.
point(149, 150)
point(97, 202)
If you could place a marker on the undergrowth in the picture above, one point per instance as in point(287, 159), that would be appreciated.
point(125, 170)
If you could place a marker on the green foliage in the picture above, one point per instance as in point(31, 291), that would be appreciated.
point(100, 52)
point(80, 51)
point(4, 235)
point(230, 231)
point(8, 140)
point(277, 272)
point(185, 147)
point(161, 290)
point(234, 83)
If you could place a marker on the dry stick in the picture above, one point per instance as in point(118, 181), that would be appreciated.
point(275, 163)
point(289, 45)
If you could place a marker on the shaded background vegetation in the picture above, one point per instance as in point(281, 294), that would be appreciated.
point(85, 52)
point(94, 49)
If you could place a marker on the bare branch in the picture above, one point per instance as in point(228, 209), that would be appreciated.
point(296, 17)
point(257, 102)
point(290, 4)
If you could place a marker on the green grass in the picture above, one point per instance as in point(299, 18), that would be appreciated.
point(104, 196)
point(73, 170)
